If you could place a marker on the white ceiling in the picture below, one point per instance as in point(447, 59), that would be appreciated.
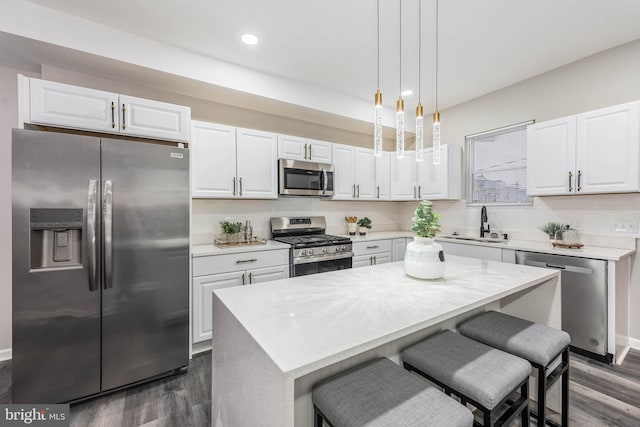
point(485, 45)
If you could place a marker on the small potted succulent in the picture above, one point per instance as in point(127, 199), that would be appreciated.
point(424, 258)
point(231, 230)
point(364, 225)
point(552, 228)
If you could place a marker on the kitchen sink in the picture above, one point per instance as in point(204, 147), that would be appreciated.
point(474, 239)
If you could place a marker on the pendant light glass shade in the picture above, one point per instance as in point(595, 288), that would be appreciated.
point(436, 138)
point(400, 129)
point(377, 125)
point(419, 133)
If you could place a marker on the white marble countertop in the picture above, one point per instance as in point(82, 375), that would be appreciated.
point(595, 252)
point(379, 235)
point(206, 250)
point(309, 322)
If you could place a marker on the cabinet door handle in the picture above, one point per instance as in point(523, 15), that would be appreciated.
point(570, 181)
point(419, 191)
point(375, 260)
point(243, 279)
point(579, 176)
point(113, 115)
point(244, 261)
point(414, 192)
point(373, 247)
point(124, 109)
point(370, 260)
point(358, 189)
point(378, 192)
point(354, 191)
point(305, 151)
point(309, 151)
point(234, 185)
point(240, 182)
point(250, 277)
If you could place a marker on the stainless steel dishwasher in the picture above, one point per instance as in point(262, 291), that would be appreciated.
point(584, 299)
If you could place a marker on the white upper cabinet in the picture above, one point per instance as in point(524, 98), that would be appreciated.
point(354, 173)
point(608, 152)
point(257, 164)
point(590, 153)
point(213, 160)
point(403, 177)
point(551, 160)
point(443, 181)
point(233, 163)
point(154, 119)
point(383, 176)
point(297, 148)
point(58, 104)
point(344, 172)
point(74, 107)
point(319, 151)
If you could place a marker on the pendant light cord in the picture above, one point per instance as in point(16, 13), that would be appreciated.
point(419, 49)
point(437, 43)
point(401, 48)
point(378, 34)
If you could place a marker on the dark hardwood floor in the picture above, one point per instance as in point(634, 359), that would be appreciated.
point(601, 395)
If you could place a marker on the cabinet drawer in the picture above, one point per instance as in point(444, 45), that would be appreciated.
point(371, 247)
point(239, 261)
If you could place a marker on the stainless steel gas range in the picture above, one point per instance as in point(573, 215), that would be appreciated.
point(312, 251)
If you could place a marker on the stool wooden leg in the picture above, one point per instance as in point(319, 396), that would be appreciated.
point(524, 415)
point(565, 389)
point(317, 418)
point(542, 394)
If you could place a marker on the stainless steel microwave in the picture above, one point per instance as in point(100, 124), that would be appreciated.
point(297, 178)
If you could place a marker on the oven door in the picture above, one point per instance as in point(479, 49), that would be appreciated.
point(305, 178)
point(320, 266)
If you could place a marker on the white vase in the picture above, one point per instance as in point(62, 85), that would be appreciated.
point(352, 228)
point(424, 259)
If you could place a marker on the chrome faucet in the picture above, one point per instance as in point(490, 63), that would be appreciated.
point(484, 220)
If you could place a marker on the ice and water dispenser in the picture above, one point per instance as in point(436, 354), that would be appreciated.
point(56, 238)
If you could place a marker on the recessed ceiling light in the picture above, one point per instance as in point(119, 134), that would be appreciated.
point(249, 39)
point(407, 92)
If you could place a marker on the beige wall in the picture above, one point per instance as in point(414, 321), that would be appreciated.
point(609, 78)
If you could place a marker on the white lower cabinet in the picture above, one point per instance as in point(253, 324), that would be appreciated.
point(399, 248)
point(372, 252)
point(229, 270)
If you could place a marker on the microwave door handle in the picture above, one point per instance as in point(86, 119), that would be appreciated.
point(324, 181)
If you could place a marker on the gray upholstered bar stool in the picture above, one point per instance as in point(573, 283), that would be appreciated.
point(539, 344)
point(381, 393)
point(478, 374)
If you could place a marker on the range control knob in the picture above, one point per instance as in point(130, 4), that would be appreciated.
point(310, 251)
point(324, 250)
point(303, 252)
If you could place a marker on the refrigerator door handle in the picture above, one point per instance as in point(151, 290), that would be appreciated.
point(107, 221)
point(92, 212)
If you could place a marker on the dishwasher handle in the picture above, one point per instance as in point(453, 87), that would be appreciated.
point(570, 268)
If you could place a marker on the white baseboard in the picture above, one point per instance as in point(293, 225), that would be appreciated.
point(634, 343)
point(5, 354)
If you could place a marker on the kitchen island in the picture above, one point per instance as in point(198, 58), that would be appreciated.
point(274, 341)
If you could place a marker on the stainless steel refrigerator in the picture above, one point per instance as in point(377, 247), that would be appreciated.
point(100, 264)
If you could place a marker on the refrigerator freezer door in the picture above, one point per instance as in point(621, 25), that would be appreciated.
point(56, 314)
point(145, 324)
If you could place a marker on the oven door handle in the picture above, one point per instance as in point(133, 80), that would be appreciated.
point(322, 258)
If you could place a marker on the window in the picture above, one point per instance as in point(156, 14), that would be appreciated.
point(497, 166)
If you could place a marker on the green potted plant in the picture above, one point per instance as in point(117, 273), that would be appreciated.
point(551, 228)
point(424, 258)
point(364, 225)
point(231, 230)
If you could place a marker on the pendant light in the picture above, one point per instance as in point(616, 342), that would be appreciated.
point(419, 111)
point(400, 105)
point(377, 118)
point(436, 114)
